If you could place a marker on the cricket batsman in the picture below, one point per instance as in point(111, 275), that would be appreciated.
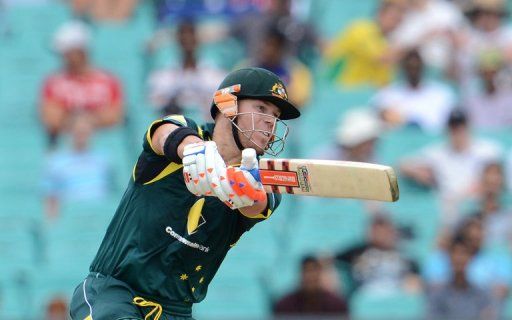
point(193, 192)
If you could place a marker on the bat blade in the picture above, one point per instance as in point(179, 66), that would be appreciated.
point(328, 178)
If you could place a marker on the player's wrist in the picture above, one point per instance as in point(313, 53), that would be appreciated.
point(188, 141)
point(176, 142)
point(255, 209)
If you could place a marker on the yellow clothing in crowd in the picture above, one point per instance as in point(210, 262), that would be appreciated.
point(300, 85)
point(359, 49)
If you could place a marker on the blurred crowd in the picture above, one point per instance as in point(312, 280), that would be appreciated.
point(441, 67)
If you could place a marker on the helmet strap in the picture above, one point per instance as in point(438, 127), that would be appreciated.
point(236, 135)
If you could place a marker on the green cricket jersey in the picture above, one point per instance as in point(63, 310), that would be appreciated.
point(163, 241)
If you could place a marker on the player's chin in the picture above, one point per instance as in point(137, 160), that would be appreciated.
point(259, 150)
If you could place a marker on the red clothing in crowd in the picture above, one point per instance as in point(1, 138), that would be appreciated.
point(90, 92)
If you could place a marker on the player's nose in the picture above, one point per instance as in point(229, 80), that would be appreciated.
point(269, 123)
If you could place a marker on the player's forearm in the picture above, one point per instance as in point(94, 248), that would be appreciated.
point(255, 209)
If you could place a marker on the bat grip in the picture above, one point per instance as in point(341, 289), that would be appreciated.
point(249, 160)
point(250, 163)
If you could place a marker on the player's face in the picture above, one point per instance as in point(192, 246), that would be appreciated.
point(258, 119)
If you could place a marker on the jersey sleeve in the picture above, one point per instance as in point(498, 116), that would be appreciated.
point(151, 166)
point(246, 222)
point(178, 120)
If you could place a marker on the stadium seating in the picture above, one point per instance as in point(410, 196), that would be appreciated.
point(399, 305)
point(319, 120)
point(41, 259)
point(338, 14)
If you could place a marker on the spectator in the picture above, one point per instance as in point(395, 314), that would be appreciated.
point(453, 167)
point(188, 88)
point(496, 217)
point(416, 102)
point(487, 31)
point(100, 10)
point(488, 102)
point(458, 298)
point(488, 270)
point(508, 172)
point(356, 137)
point(5, 28)
point(429, 25)
point(377, 266)
point(79, 87)
point(79, 174)
point(9, 3)
point(251, 30)
point(274, 56)
point(364, 48)
point(311, 299)
point(57, 309)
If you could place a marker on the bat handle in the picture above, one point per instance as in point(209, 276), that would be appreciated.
point(250, 162)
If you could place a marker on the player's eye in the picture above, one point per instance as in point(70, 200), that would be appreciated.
point(261, 108)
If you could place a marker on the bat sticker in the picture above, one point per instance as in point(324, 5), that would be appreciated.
point(303, 174)
point(279, 178)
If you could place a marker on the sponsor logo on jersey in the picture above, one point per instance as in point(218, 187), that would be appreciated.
point(186, 241)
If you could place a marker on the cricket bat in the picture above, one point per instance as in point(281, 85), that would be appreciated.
point(328, 178)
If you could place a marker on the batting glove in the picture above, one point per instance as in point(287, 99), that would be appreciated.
point(243, 185)
point(194, 167)
point(206, 174)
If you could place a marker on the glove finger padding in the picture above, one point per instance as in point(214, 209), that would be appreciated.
point(194, 184)
point(245, 184)
point(203, 185)
point(236, 201)
point(249, 186)
point(189, 177)
point(189, 182)
point(215, 171)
